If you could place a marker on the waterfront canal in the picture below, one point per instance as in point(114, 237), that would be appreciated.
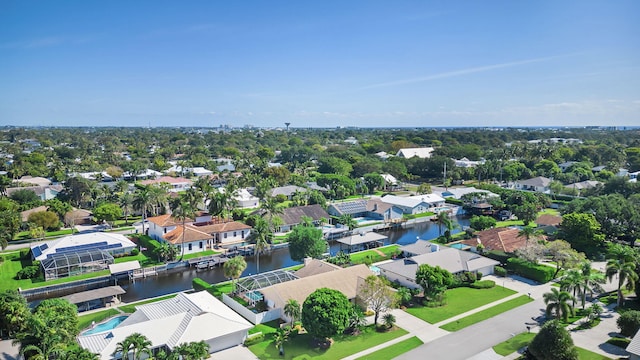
point(180, 279)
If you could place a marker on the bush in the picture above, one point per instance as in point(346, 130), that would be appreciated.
point(453, 201)
point(464, 279)
point(25, 254)
point(536, 272)
point(254, 339)
point(500, 271)
point(149, 243)
point(238, 215)
point(29, 272)
point(484, 284)
point(479, 276)
point(500, 256)
point(199, 284)
point(619, 342)
point(135, 252)
point(629, 322)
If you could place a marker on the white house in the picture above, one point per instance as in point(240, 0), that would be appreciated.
point(453, 260)
point(115, 244)
point(422, 153)
point(245, 200)
point(415, 204)
point(175, 183)
point(539, 184)
point(182, 319)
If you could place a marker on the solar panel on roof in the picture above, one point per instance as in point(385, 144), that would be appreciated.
point(36, 251)
point(44, 247)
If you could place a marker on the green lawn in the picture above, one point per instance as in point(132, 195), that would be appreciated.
point(27, 235)
point(415, 216)
point(200, 254)
point(500, 224)
point(222, 288)
point(131, 308)
point(373, 255)
point(297, 347)
point(459, 300)
point(584, 354)
point(84, 321)
point(266, 328)
point(514, 344)
point(394, 350)
point(486, 314)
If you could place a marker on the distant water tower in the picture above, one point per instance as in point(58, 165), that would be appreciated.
point(287, 124)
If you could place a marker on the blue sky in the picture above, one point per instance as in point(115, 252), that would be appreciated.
point(320, 63)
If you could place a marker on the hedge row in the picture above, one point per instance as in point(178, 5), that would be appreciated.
point(199, 284)
point(454, 201)
point(147, 242)
point(499, 256)
point(539, 273)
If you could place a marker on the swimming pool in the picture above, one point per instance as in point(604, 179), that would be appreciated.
point(106, 326)
point(375, 269)
point(460, 246)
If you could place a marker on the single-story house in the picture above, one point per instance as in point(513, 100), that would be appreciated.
point(225, 165)
point(115, 244)
point(245, 200)
point(506, 240)
point(459, 192)
point(453, 260)
point(35, 181)
point(293, 216)
point(415, 204)
point(466, 163)
point(418, 248)
point(634, 347)
point(566, 165)
point(539, 184)
point(582, 185)
point(422, 153)
point(24, 216)
point(344, 280)
point(175, 183)
point(548, 223)
point(287, 191)
point(43, 192)
point(185, 318)
point(146, 174)
point(371, 208)
point(78, 217)
point(390, 181)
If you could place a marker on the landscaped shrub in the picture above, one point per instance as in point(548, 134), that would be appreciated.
point(28, 272)
point(619, 342)
point(257, 338)
point(500, 256)
point(199, 284)
point(537, 272)
point(479, 276)
point(499, 271)
point(464, 279)
point(135, 252)
point(450, 200)
point(629, 322)
point(484, 284)
point(147, 242)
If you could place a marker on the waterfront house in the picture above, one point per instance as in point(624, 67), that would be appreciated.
point(168, 323)
point(415, 204)
point(375, 209)
point(422, 153)
point(292, 216)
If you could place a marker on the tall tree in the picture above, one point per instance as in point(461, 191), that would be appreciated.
point(591, 280)
point(142, 201)
point(126, 202)
point(557, 302)
point(433, 280)
point(377, 294)
point(14, 312)
point(261, 234)
point(306, 241)
point(182, 209)
point(325, 313)
point(624, 267)
point(292, 310)
point(553, 342)
point(582, 231)
point(233, 268)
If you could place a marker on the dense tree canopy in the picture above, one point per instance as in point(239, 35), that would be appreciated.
point(306, 241)
point(553, 342)
point(325, 313)
point(433, 280)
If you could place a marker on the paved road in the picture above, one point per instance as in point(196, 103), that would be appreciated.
point(477, 338)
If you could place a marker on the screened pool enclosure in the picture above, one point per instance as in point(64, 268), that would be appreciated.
point(75, 263)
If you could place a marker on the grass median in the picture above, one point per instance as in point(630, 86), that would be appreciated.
point(394, 350)
point(486, 314)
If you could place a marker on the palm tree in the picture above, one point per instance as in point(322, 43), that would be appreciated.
point(199, 350)
point(389, 320)
point(528, 232)
point(443, 220)
point(165, 251)
point(123, 347)
point(262, 235)
point(279, 337)
point(625, 269)
point(292, 310)
point(41, 352)
point(557, 302)
point(591, 280)
point(271, 208)
point(182, 209)
point(126, 203)
point(141, 201)
point(234, 268)
point(217, 203)
point(158, 198)
point(348, 221)
point(572, 282)
point(77, 352)
point(140, 344)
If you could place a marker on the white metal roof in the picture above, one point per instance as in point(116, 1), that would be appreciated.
point(80, 241)
point(412, 201)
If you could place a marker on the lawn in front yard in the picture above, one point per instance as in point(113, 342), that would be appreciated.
point(514, 344)
point(298, 346)
point(373, 255)
point(486, 314)
point(394, 350)
point(584, 354)
point(459, 300)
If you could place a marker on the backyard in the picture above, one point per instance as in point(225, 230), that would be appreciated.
point(458, 301)
point(374, 255)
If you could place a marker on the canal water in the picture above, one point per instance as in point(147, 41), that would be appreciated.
point(180, 279)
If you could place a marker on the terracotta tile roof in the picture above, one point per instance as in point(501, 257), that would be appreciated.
point(223, 227)
point(501, 239)
point(546, 220)
point(190, 234)
point(167, 220)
